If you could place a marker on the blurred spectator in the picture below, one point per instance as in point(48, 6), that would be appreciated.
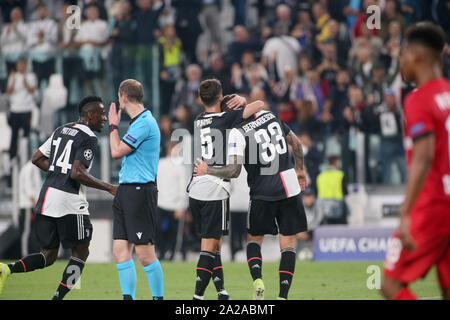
point(331, 188)
point(188, 26)
point(251, 75)
point(336, 102)
point(217, 70)
point(312, 89)
point(71, 60)
point(239, 200)
point(184, 118)
point(329, 67)
point(99, 4)
point(6, 6)
point(340, 41)
point(42, 41)
point(171, 56)
point(390, 13)
point(91, 38)
point(391, 146)
point(283, 23)
point(284, 50)
point(29, 188)
point(13, 39)
point(186, 91)
point(211, 17)
point(21, 91)
point(147, 30)
point(321, 17)
point(173, 178)
point(314, 216)
point(241, 43)
point(123, 37)
point(313, 159)
point(165, 126)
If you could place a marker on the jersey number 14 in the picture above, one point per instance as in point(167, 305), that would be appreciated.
point(64, 158)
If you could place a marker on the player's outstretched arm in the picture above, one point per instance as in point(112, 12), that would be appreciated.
point(252, 108)
point(231, 170)
point(297, 151)
point(422, 159)
point(79, 173)
point(40, 160)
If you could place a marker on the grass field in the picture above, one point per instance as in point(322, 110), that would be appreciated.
point(312, 281)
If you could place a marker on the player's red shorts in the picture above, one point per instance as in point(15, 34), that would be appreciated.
point(432, 248)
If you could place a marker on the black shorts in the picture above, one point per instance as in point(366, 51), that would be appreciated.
point(69, 230)
point(286, 217)
point(135, 207)
point(211, 218)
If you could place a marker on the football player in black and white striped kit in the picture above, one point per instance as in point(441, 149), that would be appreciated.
point(209, 195)
point(62, 215)
point(275, 180)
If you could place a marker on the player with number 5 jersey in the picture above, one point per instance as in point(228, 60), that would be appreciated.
point(62, 215)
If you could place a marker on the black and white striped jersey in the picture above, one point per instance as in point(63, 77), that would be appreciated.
point(60, 194)
point(261, 141)
point(210, 134)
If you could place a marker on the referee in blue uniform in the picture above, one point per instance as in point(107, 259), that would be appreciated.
point(135, 203)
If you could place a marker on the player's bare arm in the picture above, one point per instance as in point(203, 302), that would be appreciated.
point(232, 170)
point(297, 151)
point(422, 159)
point(252, 108)
point(40, 160)
point(79, 173)
point(118, 148)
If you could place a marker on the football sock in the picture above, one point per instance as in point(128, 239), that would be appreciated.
point(217, 274)
point(71, 274)
point(127, 278)
point(204, 271)
point(29, 263)
point(254, 259)
point(155, 279)
point(286, 270)
point(405, 294)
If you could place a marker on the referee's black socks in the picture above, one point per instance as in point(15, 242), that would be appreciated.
point(286, 270)
point(29, 263)
point(254, 259)
point(70, 277)
point(205, 267)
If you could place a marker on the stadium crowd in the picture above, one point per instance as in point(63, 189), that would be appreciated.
point(317, 64)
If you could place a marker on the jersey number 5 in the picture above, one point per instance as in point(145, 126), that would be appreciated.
point(64, 158)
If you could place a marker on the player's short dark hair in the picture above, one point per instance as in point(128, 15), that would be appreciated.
point(333, 159)
point(210, 91)
point(223, 104)
point(87, 103)
point(132, 89)
point(426, 34)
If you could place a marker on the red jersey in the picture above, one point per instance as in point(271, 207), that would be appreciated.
point(427, 111)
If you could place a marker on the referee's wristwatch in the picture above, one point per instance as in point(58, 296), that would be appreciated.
point(113, 127)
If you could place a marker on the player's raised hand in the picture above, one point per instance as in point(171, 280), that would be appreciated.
point(114, 115)
point(236, 102)
point(200, 168)
point(404, 233)
point(301, 176)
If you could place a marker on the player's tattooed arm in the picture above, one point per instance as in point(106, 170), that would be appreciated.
point(40, 160)
point(231, 170)
point(80, 173)
point(297, 151)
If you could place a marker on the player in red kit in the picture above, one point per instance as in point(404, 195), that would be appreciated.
point(422, 239)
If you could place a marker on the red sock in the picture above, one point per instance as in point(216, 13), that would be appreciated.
point(405, 294)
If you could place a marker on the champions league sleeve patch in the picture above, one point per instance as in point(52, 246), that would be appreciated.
point(88, 154)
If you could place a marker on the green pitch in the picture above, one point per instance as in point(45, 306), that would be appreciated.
point(312, 280)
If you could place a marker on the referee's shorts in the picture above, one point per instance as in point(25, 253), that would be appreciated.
point(135, 207)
